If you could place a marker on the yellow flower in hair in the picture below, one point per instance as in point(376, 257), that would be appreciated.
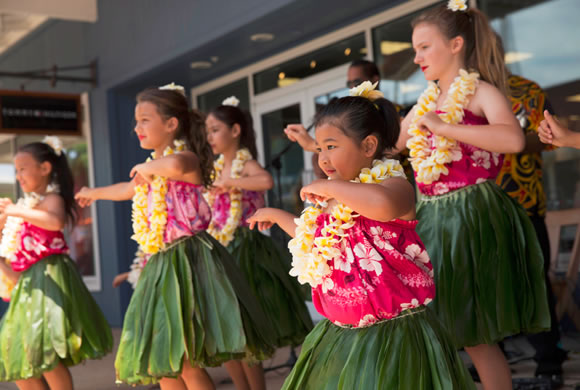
point(457, 5)
point(367, 90)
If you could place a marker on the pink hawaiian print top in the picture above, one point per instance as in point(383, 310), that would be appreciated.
point(383, 271)
point(187, 211)
point(251, 201)
point(475, 166)
point(36, 244)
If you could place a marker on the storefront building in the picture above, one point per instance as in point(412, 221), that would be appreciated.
point(282, 59)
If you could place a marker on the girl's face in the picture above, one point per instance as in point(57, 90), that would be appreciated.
point(220, 136)
point(153, 130)
point(31, 175)
point(434, 53)
point(341, 157)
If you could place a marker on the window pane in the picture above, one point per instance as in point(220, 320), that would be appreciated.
point(317, 61)
point(212, 99)
point(401, 80)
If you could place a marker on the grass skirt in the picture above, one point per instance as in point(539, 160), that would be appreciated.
point(191, 303)
point(488, 265)
point(266, 268)
point(52, 318)
point(408, 352)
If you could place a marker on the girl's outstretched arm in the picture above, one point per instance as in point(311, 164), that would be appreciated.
point(120, 191)
point(393, 198)
point(265, 218)
point(180, 166)
point(255, 178)
point(49, 214)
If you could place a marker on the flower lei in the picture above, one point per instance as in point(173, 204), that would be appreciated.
point(310, 255)
point(430, 164)
point(11, 236)
point(225, 234)
point(148, 230)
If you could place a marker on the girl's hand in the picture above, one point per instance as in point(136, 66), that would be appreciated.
point(84, 197)
point(315, 192)
point(298, 133)
point(431, 122)
point(552, 132)
point(263, 218)
point(6, 206)
point(221, 185)
point(119, 279)
point(139, 176)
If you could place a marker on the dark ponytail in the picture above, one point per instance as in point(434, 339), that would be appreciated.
point(191, 125)
point(358, 118)
point(231, 115)
point(60, 174)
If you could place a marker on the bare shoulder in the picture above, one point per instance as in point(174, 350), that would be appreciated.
point(51, 202)
point(252, 167)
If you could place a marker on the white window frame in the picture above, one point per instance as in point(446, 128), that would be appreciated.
point(92, 282)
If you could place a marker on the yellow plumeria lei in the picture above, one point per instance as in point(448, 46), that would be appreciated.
point(310, 255)
point(430, 164)
point(226, 234)
point(11, 236)
point(148, 230)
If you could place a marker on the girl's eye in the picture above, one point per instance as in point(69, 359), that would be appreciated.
point(318, 150)
point(330, 147)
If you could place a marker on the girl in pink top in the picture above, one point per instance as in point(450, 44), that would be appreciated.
point(487, 260)
point(370, 274)
point(53, 321)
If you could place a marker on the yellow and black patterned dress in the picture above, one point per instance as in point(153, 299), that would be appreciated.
point(521, 174)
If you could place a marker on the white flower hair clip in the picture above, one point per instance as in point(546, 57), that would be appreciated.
point(55, 143)
point(173, 87)
point(457, 5)
point(231, 101)
point(367, 90)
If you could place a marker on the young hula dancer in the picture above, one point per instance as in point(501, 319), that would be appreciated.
point(238, 191)
point(487, 260)
point(370, 275)
point(53, 321)
point(190, 309)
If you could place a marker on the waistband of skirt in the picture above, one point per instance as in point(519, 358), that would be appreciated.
point(432, 198)
point(403, 314)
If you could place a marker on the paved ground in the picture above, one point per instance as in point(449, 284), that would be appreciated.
point(100, 374)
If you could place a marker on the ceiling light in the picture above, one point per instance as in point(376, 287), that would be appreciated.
point(262, 37)
point(347, 51)
point(214, 59)
point(514, 56)
point(363, 50)
point(573, 98)
point(392, 47)
point(281, 76)
point(200, 65)
point(312, 64)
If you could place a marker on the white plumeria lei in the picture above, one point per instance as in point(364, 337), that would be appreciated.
point(226, 234)
point(310, 255)
point(430, 164)
point(148, 230)
point(11, 235)
point(457, 5)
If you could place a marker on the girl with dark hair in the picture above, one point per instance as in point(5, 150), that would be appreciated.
point(370, 275)
point(190, 309)
point(53, 321)
point(488, 263)
point(237, 192)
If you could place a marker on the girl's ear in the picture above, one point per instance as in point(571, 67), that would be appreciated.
point(457, 44)
point(236, 130)
point(171, 124)
point(369, 145)
point(45, 168)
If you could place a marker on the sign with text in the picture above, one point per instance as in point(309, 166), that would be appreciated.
point(40, 113)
